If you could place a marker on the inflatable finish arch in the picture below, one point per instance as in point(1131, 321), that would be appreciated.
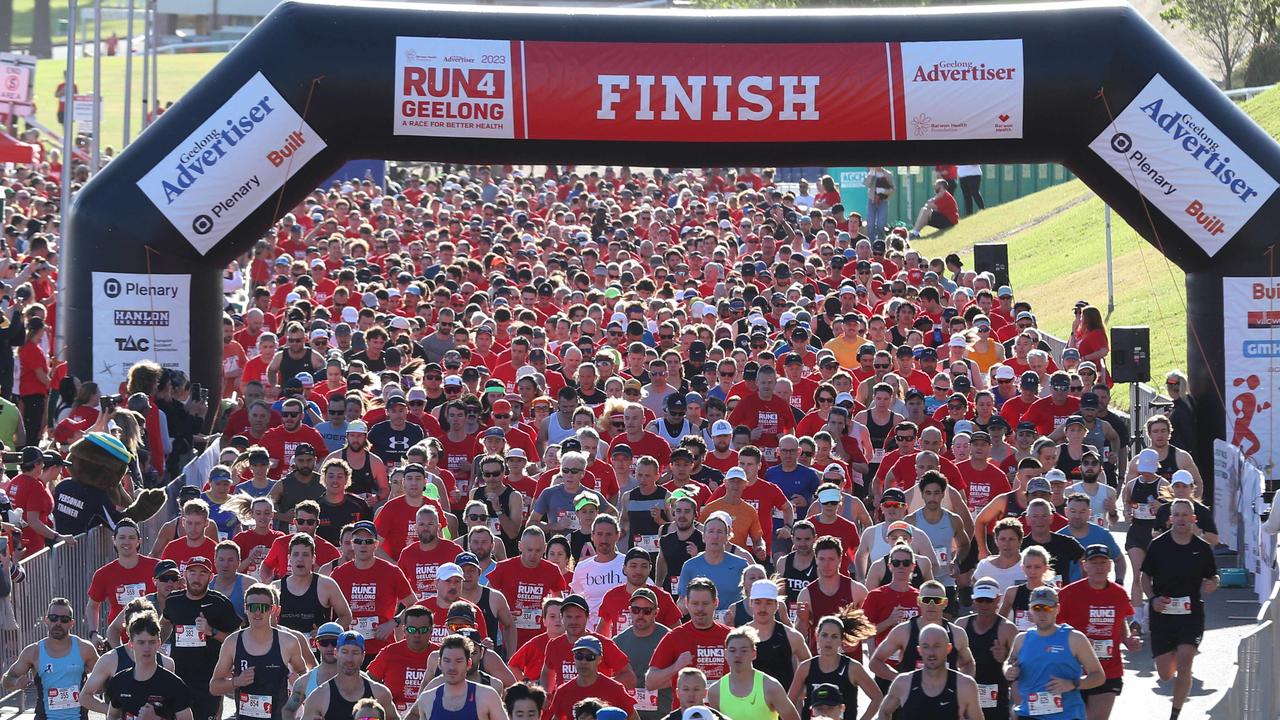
point(317, 84)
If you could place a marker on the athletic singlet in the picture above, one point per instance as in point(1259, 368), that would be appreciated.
point(58, 684)
point(879, 542)
point(796, 578)
point(494, 627)
point(304, 612)
point(468, 710)
point(838, 677)
point(264, 697)
point(556, 433)
point(1097, 499)
point(1098, 439)
point(362, 482)
point(822, 604)
point(941, 536)
point(930, 707)
point(124, 661)
point(339, 707)
point(504, 500)
point(235, 594)
point(1169, 464)
point(1043, 658)
point(911, 655)
point(1021, 607)
point(311, 676)
point(751, 707)
point(673, 439)
point(879, 432)
point(773, 656)
point(1068, 465)
point(987, 670)
point(1143, 493)
point(289, 367)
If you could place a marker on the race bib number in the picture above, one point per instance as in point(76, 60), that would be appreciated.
point(944, 555)
point(574, 523)
point(877, 456)
point(1044, 703)
point(187, 636)
point(63, 698)
point(1022, 619)
point(222, 536)
point(646, 699)
point(648, 543)
point(1142, 511)
point(1103, 648)
point(367, 626)
point(896, 657)
point(529, 619)
point(988, 695)
point(129, 592)
point(495, 526)
point(1178, 606)
point(674, 582)
point(258, 706)
point(1100, 519)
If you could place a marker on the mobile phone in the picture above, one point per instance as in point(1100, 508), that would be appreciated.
point(196, 389)
point(107, 402)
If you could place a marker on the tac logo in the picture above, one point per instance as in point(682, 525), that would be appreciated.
point(111, 288)
point(131, 344)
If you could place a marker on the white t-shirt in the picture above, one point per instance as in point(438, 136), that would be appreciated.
point(593, 578)
point(1007, 578)
point(967, 170)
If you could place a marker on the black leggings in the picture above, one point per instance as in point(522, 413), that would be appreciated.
point(33, 409)
point(970, 187)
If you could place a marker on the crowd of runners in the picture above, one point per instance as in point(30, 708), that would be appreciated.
point(581, 444)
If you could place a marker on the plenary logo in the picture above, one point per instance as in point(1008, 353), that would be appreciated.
point(141, 318)
point(111, 288)
point(1140, 164)
point(202, 224)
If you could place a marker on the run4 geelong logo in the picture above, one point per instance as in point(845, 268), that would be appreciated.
point(1184, 165)
point(230, 165)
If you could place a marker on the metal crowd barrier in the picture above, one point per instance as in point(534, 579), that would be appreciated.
point(1253, 692)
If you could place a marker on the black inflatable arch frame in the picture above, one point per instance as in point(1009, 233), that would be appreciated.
point(335, 66)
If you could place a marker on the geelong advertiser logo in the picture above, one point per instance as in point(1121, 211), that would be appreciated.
point(1195, 140)
point(952, 71)
point(208, 151)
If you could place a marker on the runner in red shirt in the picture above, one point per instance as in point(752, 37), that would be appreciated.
point(527, 663)
point(372, 587)
point(131, 575)
point(698, 643)
point(641, 441)
point(721, 456)
point(558, 667)
point(768, 415)
point(195, 513)
point(1050, 413)
point(767, 498)
point(829, 522)
point(1100, 608)
point(615, 607)
point(526, 581)
point(449, 610)
point(255, 542)
point(894, 603)
point(281, 441)
point(422, 560)
point(306, 516)
point(588, 682)
point(985, 479)
point(402, 666)
point(397, 520)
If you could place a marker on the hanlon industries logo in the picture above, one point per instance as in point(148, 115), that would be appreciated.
point(141, 318)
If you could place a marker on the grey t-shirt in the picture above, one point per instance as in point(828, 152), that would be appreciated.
point(555, 505)
point(434, 347)
point(640, 651)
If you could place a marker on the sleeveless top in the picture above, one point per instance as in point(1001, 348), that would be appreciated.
point(879, 543)
point(1169, 465)
point(235, 594)
point(362, 482)
point(466, 712)
point(248, 488)
point(1068, 465)
point(504, 499)
point(983, 358)
point(293, 492)
point(1143, 493)
point(311, 676)
point(926, 707)
point(941, 535)
point(58, 684)
point(796, 578)
point(645, 532)
point(751, 707)
point(879, 432)
point(838, 677)
point(1021, 607)
point(491, 620)
point(340, 708)
point(556, 433)
point(289, 367)
point(1043, 658)
point(265, 696)
point(987, 670)
point(1098, 439)
point(822, 604)
point(124, 661)
point(673, 439)
point(911, 655)
point(773, 656)
point(304, 612)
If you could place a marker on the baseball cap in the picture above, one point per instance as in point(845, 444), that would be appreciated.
point(1039, 484)
point(611, 713)
point(351, 637)
point(825, 695)
point(893, 494)
point(986, 587)
point(1030, 379)
point(1026, 426)
point(329, 629)
point(465, 558)
point(589, 642)
point(164, 567)
point(645, 593)
point(221, 472)
point(1148, 461)
point(584, 499)
point(1060, 381)
point(1097, 550)
point(575, 600)
point(1089, 400)
point(1182, 477)
point(980, 436)
point(448, 571)
point(495, 431)
point(1074, 420)
point(735, 473)
point(636, 553)
point(621, 449)
point(32, 455)
point(676, 401)
point(365, 526)
point(1055, 475)
point(720, 428)
point(698, 712)
point(200, 561)
point(830, 494)
point(764, 590)
point(900, 526)
point(462, 611)
point(304, 448)
point(1004, 372)
point(357, 426)
point(1043, 595)
point(957, 341)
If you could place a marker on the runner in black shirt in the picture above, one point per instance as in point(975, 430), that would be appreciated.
point(1064, 551)
point(1178, 570)
point(339, 508)
point(681, 541)
point(146, 683)
point(199, 619)
point(254, 664)
point(391, 442)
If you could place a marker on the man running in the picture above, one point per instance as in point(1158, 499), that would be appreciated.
point(1100, 608)
point(1179, 569)
point(56, 666)
point(372, 587)
point(336, 699)
point(307, 598)
point(401, 666)
point(130, 576)
point(901, 645)
point(990, 636)
point(588, 683)
point(745, 693)
point(1047, 661)
point(459, 698)
point(199, 621)
point(257, 665)
point(147, 686)
point(935, 690)
point(326, 643)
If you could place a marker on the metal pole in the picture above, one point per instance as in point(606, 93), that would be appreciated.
point(146, 59)
point(1111, 286)
point(95, 159)
point(128, 75)
point(68, 166)
point(155, 62)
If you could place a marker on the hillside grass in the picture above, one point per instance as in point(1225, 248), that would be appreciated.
point(1057, 255)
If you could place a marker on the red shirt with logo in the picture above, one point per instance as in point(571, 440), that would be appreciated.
point(559, 660)
point(117, 585)
point(884, 602)
point(525, 588)
point(706, 646)
point(1048, 415)
point(277, 560)
point(180, 552)
point(439, 615)
point(773, 417)
point(372, 595)
point(402, 670)
point(280, 444)
point(570, 693)
point(420, 566)
point(250, 540)
point(615, 609)
point(984, 484)
point(396, 526)
point(1101, 616)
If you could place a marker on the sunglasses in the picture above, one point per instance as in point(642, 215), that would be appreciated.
point(476, 518)
point(258, 607)
point(1038, 607)
point(452, 390)
point(363, 541)
point(326, 642)
point(984, 600)
point(807, 453)
point(902, 564)
point(302, 523)
point(501, 417)
point(932, 599)
point(584, 656)
point(169, 578)
point(338, 412)
point(417, 630)
point(892, 504)
point(572, 471)
point(637, 610)
point(492, 474)
point(729, 375)
point(904, 439)
point(290, 414)
point(878, 366)
point(56, 618)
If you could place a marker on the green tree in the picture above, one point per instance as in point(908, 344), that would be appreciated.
point(1221, 27)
